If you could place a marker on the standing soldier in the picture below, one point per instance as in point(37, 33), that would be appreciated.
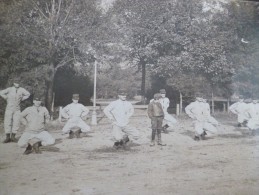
point(200, 112)
point(74, 112)
point(119, 113)
point(169, 120)
point(156, 114)
point(35, 135)
point(240, 108)
point(253, 112)
point(14, 96)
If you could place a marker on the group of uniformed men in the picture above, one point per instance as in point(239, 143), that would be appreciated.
point(118, 112)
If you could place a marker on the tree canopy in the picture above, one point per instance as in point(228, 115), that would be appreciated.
point(207, 45)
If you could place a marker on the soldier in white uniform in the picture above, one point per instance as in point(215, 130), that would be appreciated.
point(74, 112)
point(169, 120)
point(200, 112)
point(119, 113)
point(253, 113)
point(14, 96)
point(35, 135)
point(240, 109)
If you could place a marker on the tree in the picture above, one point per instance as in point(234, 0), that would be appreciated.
point(47, 34)
point(139, 22)
point(199, 40)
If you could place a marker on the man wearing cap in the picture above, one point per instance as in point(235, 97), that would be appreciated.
point(240, 109)
point(253, 114)
point(14, 96)
point(156, 114)
point(200, 112)
point(169, 120)
point(74, 112)
point(35, 135)
point(119, 113)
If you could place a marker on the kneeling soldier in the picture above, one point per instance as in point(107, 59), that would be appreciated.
point(35, 135)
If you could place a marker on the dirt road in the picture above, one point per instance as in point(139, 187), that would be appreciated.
point(223, 164)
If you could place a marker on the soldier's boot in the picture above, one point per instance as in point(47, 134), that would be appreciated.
point(36, 147)
point(13, 139)
point(202, 136)
point(164, 129)
point(197, 138)
point(77, 133)
point(244, 124)
point(7, 139)
point(71, 135)
point(159, 141)
point(124, 141)
point(153, 136)
point(117, 144)
point(28, 150)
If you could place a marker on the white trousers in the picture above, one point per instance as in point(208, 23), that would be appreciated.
point(44, 136)
point(119, 132)
point(253, 124)
point(169, 119)
point(11, 121)
point(75, 122)
point(242, 118)
point(204, 126)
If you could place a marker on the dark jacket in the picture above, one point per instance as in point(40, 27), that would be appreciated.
point(155, 109)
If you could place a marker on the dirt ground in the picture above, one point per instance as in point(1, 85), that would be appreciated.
point(227, 163)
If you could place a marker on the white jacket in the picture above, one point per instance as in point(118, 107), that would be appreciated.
point(239, 108)
point(198, 110)
point(253, 111)
point(165, 102)
point(119, 111)
point(14, 96)
point(74, 110)
point(36, 118)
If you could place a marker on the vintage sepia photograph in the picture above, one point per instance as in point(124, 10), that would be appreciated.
point(129, 97)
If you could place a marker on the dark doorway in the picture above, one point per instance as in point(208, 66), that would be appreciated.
point(68, 83)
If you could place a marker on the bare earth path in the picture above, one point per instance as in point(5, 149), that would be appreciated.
point(224, 164)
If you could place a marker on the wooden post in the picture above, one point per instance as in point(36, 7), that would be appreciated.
point(181, 103)
point(212, 103)
point(228, 106)
point(177, 109)
point(94, 117)
point(52, 106)
point(59, 114)
point(224, 107)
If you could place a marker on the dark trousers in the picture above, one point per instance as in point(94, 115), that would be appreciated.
point(156, 125)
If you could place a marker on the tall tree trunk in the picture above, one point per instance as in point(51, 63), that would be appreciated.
point(143, 81)
point(50, 86)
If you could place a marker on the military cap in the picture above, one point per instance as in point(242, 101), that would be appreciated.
point(75, 96)
point(122, 92)
point(162, 91)
point(157, 96)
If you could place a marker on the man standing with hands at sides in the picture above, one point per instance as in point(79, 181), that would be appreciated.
point(169, 120)
point(74, 113)
point(35, 118)
point(119, 113)
point(14, 96)
point(156, 114)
